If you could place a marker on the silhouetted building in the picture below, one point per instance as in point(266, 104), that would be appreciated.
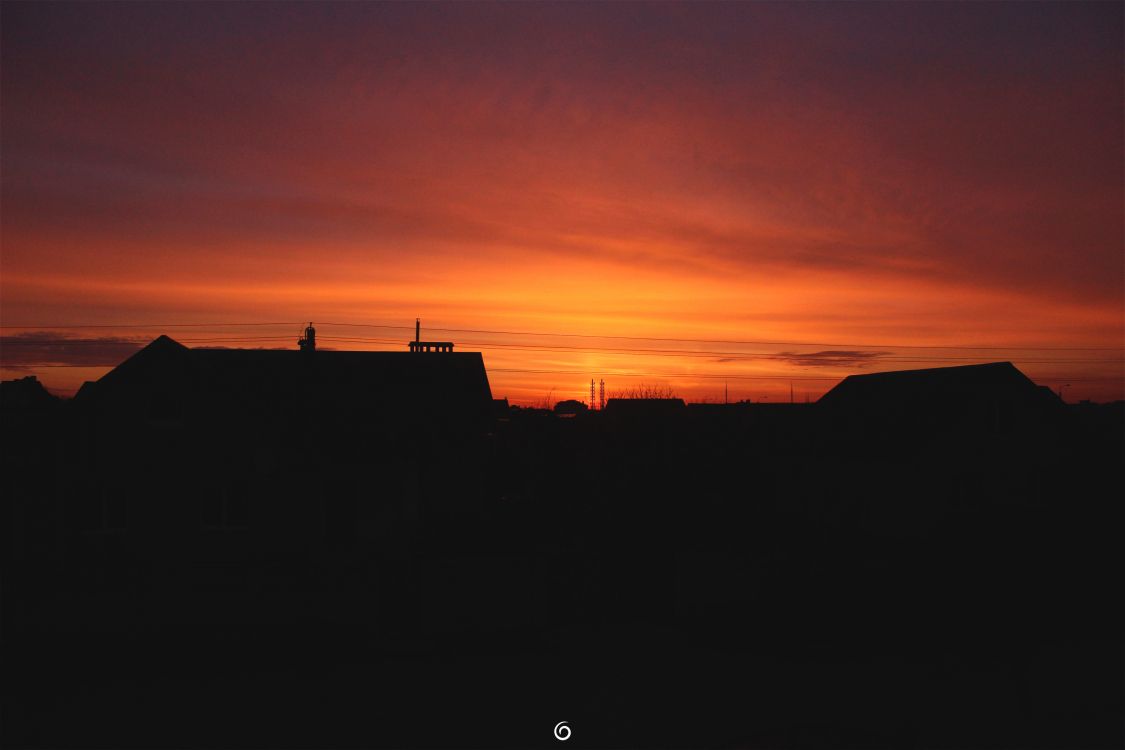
point(208, 473)
point(173, 380)
point(994, 396)
point(262, 518)
point(25, 393)
point(570, 407)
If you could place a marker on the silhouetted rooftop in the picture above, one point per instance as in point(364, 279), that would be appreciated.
point(996, 394)
point(389, 380)
point(25, 393)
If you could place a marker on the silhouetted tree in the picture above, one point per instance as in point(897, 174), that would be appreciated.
point(645, 390)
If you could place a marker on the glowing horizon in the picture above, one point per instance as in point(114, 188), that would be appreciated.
point(890, 176)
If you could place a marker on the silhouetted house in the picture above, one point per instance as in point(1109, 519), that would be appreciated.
point(28, 425)
point(25, 393)
point(570, 407)
point(166, 380)
point(222, 470)
point(989, 397)
point(28, 412)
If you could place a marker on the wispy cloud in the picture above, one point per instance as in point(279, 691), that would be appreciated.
point(834, 358)
point(636, 170)
point(24, 351)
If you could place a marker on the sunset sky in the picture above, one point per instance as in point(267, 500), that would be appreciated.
point(693, 196)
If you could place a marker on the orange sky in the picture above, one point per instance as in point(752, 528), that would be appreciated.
point(858, 179)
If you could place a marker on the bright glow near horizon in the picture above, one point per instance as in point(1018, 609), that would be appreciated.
point(883, 175)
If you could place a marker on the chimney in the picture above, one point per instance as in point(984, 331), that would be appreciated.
point(308, 342)
point(417, 329)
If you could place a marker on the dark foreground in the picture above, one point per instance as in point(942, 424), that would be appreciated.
point(732, 577)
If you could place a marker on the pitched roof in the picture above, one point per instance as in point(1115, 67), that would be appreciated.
point(264, 378)
point(937, 387)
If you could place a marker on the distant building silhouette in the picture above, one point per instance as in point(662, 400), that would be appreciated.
point(570, 407)
point(25, 393)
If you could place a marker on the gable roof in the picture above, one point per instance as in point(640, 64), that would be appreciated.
point(938, 388)
point(262, 379)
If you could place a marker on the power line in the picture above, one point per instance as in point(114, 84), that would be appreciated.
point(791, 358)
point(499, 332)
point(739, 343)
point(563, 348)
point(710, 375)
point(22, 367)
point(707, 354)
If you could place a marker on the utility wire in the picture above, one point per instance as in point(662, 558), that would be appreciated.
point(596, 373)
point(498, 332)
point(773, 356)
point(739, 343)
